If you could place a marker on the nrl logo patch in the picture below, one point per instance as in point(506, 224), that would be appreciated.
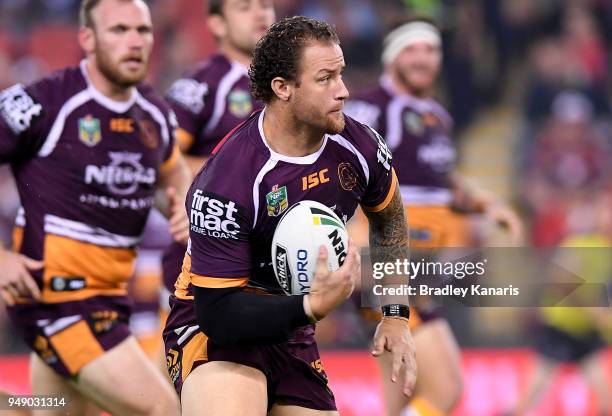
point(240, 104)
point(414, 123)
point(277, 201)
point(89, 130)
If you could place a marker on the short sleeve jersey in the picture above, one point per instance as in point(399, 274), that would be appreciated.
point(237, 200)
point(418, 132)
point(210, 100)
point(86, 168)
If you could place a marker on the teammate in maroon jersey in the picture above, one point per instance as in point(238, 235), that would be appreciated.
point(418, 131)
point(230, 328)
point(213, 97)
point(88, 147)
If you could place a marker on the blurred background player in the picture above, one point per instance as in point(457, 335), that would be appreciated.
point(419, 132)
point(214, 96)
point(228, 331)
point(571, 334)
point(209, 100)
point(508, 66)
point(108, 142)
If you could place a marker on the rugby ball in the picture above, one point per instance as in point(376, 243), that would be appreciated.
point(305, 227)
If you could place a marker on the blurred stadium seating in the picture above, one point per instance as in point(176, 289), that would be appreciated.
point(529, 84)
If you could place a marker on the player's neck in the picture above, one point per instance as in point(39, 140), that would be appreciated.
point(400, 88)
point(287, 136)
point(106, 87)
point(235, 55)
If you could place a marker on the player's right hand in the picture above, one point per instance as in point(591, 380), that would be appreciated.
point(330, 289)
point(15, 279)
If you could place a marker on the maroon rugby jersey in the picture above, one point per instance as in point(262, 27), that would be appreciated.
point(86, 168)
point(209, 101)
point(236, 201)
point(418, 132)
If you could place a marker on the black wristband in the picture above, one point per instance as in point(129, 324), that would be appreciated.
point(402, 311)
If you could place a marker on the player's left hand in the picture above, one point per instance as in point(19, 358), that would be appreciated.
point(393, 335)
point(178, 221)
point(506, 218)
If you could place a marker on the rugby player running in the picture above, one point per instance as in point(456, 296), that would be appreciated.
point(235, 344)
point(88, 147)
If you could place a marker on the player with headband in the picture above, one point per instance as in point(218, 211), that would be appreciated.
point(419, 133)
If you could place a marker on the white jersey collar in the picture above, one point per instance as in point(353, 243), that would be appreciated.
point(298, 160)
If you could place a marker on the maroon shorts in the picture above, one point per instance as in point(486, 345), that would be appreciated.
point(67, 336)
point(293, 369)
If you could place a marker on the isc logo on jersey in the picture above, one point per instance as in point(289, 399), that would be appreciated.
point(213, 216)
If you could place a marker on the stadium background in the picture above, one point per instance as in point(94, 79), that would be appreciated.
point(528, 83)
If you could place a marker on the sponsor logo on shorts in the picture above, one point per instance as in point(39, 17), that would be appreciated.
point(277, 201)
point(318, 366)
point(90, 133)
point(67, 284)
point(44, 350)
point(213, 216)
point(123, 175)
point(347, 176)
point(173, 363)
point(104, 321)
point(18, 108)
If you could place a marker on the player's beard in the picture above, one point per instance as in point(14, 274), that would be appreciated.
point(318, 118)
point(113, 73)
point(335, 123)
point(327, 123)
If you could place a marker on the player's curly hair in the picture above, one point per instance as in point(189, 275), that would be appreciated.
point(278, 53)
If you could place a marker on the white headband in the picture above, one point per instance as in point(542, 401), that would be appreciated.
point(406, 35)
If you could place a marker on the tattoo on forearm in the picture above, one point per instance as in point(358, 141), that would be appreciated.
point(389, 243)
point(388, 228)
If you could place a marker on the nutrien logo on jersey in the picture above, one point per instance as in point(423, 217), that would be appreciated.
point(440, 154)
point(213, 216)
point(123, 175)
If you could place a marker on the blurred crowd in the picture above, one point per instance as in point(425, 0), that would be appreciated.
point(548, 61)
